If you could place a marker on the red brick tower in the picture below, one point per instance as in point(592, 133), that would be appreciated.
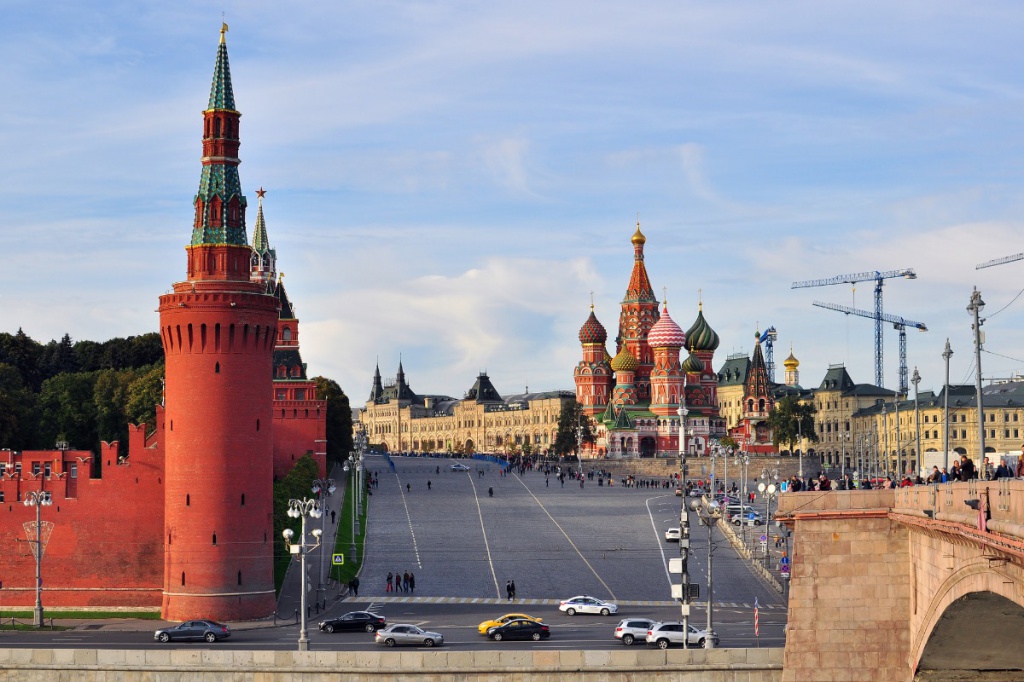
point(218, 330)
point(639, 313)
point(593, 374)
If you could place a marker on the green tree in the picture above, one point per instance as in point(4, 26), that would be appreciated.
point(144, 394)
point(730, 442)
point(339, 420)
point(110, 395)
point(570, 419)
point(790, 420)
point(67, 411)
point(296, 485)
point(17, 410)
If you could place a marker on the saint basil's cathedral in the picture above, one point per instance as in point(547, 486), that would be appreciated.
point(634, 397)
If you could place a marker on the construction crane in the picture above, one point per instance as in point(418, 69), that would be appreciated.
point(899, 324)
point(878, 278)
point(768, 339)
point(1000, 261)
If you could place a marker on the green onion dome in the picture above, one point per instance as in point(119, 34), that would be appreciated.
point(693, 365)
point(701, 336)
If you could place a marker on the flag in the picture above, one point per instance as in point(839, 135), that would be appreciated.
point(756, 629)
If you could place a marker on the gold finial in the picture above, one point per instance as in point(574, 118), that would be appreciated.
point(223, 30)
point(664, 296)
point(700, 300)
point(591, 301)
point(280, 276)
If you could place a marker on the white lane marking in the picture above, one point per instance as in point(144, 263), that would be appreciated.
point(562, 530)
point(487, 545)
point(415, 547)
point(661, 545)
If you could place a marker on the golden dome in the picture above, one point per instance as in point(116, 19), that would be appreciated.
point(791, 362)
point(624, 361)
point(638, 236)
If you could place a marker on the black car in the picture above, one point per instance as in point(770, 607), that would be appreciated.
point(207, 630)
point(354, 620)
point(520, 629)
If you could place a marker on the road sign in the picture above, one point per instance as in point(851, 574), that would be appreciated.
point(764, 539)
point(752, 515)
point(338, 559)
point(784, 562)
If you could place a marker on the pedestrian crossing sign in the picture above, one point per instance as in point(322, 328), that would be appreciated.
point(338, 559)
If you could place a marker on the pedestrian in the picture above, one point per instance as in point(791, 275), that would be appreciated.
point(398, 581)
point(405, 582)
point(428, 485)
point(388, 588)
point(968, 471)
point(508, 589)
point(412, 582)
point(408, 487)
point(513, 584)
point(332, 517)
point(354, 585)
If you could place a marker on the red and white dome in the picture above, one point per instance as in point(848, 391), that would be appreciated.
point(665, 333)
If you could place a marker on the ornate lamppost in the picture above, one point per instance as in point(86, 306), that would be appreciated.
point(709, 512)
point(684, 520)
point(350, 468)
point(303, 509)
point(768, 491)
point(38, 499)
point(322, 488)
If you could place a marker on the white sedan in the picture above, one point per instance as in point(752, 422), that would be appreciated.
point(673, 534)
point(459, 467)
point(585, 604)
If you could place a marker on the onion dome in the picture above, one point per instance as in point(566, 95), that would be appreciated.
point(593, 331)
point(701, 336)
point(791, 362)
point(624, 361)
point(666, 333)
point(693, 365)
point(638, 236)
point(607, 356)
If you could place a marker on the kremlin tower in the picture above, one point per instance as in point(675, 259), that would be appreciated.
point(218, 329)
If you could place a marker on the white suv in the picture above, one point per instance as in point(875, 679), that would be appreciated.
point(671, 632)
point(631, 629)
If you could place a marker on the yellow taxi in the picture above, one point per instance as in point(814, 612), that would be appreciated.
point(487, 624)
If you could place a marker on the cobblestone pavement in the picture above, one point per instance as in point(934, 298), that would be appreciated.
point(554, 542)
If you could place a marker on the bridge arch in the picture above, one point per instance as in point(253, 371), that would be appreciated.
point(979, 599)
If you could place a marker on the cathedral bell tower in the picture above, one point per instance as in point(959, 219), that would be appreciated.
point(218, 329)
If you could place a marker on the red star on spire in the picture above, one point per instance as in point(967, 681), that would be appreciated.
point(260, 192)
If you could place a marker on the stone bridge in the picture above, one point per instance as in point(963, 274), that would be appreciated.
point(907, 584)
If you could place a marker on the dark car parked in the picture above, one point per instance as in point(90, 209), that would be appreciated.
point(364, 621)
point(207, 630)
point(520, 629)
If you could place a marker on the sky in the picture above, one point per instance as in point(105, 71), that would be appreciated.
point(447, 182)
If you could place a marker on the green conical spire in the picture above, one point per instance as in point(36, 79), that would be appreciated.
point(260, 242)
point(221, 94)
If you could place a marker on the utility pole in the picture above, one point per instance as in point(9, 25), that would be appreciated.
point(916, 380)
point(684, 519)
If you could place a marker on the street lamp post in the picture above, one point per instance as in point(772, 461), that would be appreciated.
point(322, 488)
point(38, 499)
point(946, 355)
point(975, 308)
point(768, 491)
point(684, 522)
point(746, 473)
point(709, 512)
point(353, 475)
point(916, 380)
point(303, 509)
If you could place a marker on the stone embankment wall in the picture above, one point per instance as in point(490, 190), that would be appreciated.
point(211, 665)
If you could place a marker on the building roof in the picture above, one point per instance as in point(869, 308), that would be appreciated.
point(700, 335)
point(483, 390)
point(836, 379)
point(734, 371)
point(289, 357)
point(666, 333)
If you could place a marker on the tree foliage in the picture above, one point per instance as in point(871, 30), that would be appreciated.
point(339, 420)
point(570, 419)
point(790, 420)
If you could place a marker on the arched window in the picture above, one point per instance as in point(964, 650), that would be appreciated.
point(286, 334)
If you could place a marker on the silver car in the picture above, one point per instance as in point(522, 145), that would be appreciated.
point(631, 629)
point(403, 634)
point(585, 604)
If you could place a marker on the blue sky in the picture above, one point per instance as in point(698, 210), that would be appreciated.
point(449, 181)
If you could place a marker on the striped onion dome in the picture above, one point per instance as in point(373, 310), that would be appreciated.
point(593, 331)
point(666, 333)
point(625, 362)
point(693, 365)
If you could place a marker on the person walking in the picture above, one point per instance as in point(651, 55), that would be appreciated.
point(508, 589)
point(398, 581)
point(353, 586)
point(405, 582)
point(388, 588)
point(513, 587)
point(412, 582)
